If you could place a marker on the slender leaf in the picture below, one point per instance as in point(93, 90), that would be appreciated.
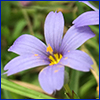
point(18, 28)
point(74, 80)
point(13, 87)
point(70, 94)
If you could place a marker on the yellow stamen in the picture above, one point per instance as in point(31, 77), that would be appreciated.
point(55, 58)
point(49, 49)
point(52, 59)
point(51, 63)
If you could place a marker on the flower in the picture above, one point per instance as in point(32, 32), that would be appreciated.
point(87, 18)
point(57, 54)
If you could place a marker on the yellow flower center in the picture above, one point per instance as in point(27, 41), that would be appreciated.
point(54, 58)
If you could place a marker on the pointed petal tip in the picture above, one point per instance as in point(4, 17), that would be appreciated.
point(9, 49)
point(5, 68)
point(56, 11)
point(91, 63)
point(73, 22)
point(85, 70)
point(94, 35)
point(50, 92)
point(8, 74)
point(91, 19)
point(90, 68)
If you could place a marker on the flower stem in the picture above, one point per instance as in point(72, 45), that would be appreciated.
point(70, 94)
point(28, 21)
point(68, 91)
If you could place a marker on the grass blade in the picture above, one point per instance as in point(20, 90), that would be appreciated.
point(13, 87)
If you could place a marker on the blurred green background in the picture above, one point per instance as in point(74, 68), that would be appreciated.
point(18, 18)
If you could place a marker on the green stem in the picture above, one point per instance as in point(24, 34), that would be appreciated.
point(68, 91)
point(70, 94)
point(28, 21)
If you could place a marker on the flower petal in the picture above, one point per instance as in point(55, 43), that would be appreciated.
point(51, 78)
point(75, 37)
point(21, 63)
point(53, 29)
point(77, 60)
point(28, 44)
point(90, 5)
point(87, 18)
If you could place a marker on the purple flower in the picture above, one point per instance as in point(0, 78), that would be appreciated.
point(57, 54)
point(87, 18)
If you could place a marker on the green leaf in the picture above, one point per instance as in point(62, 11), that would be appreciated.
point(39, 36)
point(13, 87)
point(80, 8)
point(95, 28)
point(18, 28)
point(5, 31)
point(5, 12)
point(74, 96)
point(93, 43)
point(84, 89)
point(70, 94)
point(74, 79)
point(5, 92)
point(95, 3)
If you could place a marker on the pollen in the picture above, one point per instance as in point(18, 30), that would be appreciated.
point(55, 58)
point(35, 54)
point(68, 50)
point(49, 49)
point(55, 71)
point(66, 58)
